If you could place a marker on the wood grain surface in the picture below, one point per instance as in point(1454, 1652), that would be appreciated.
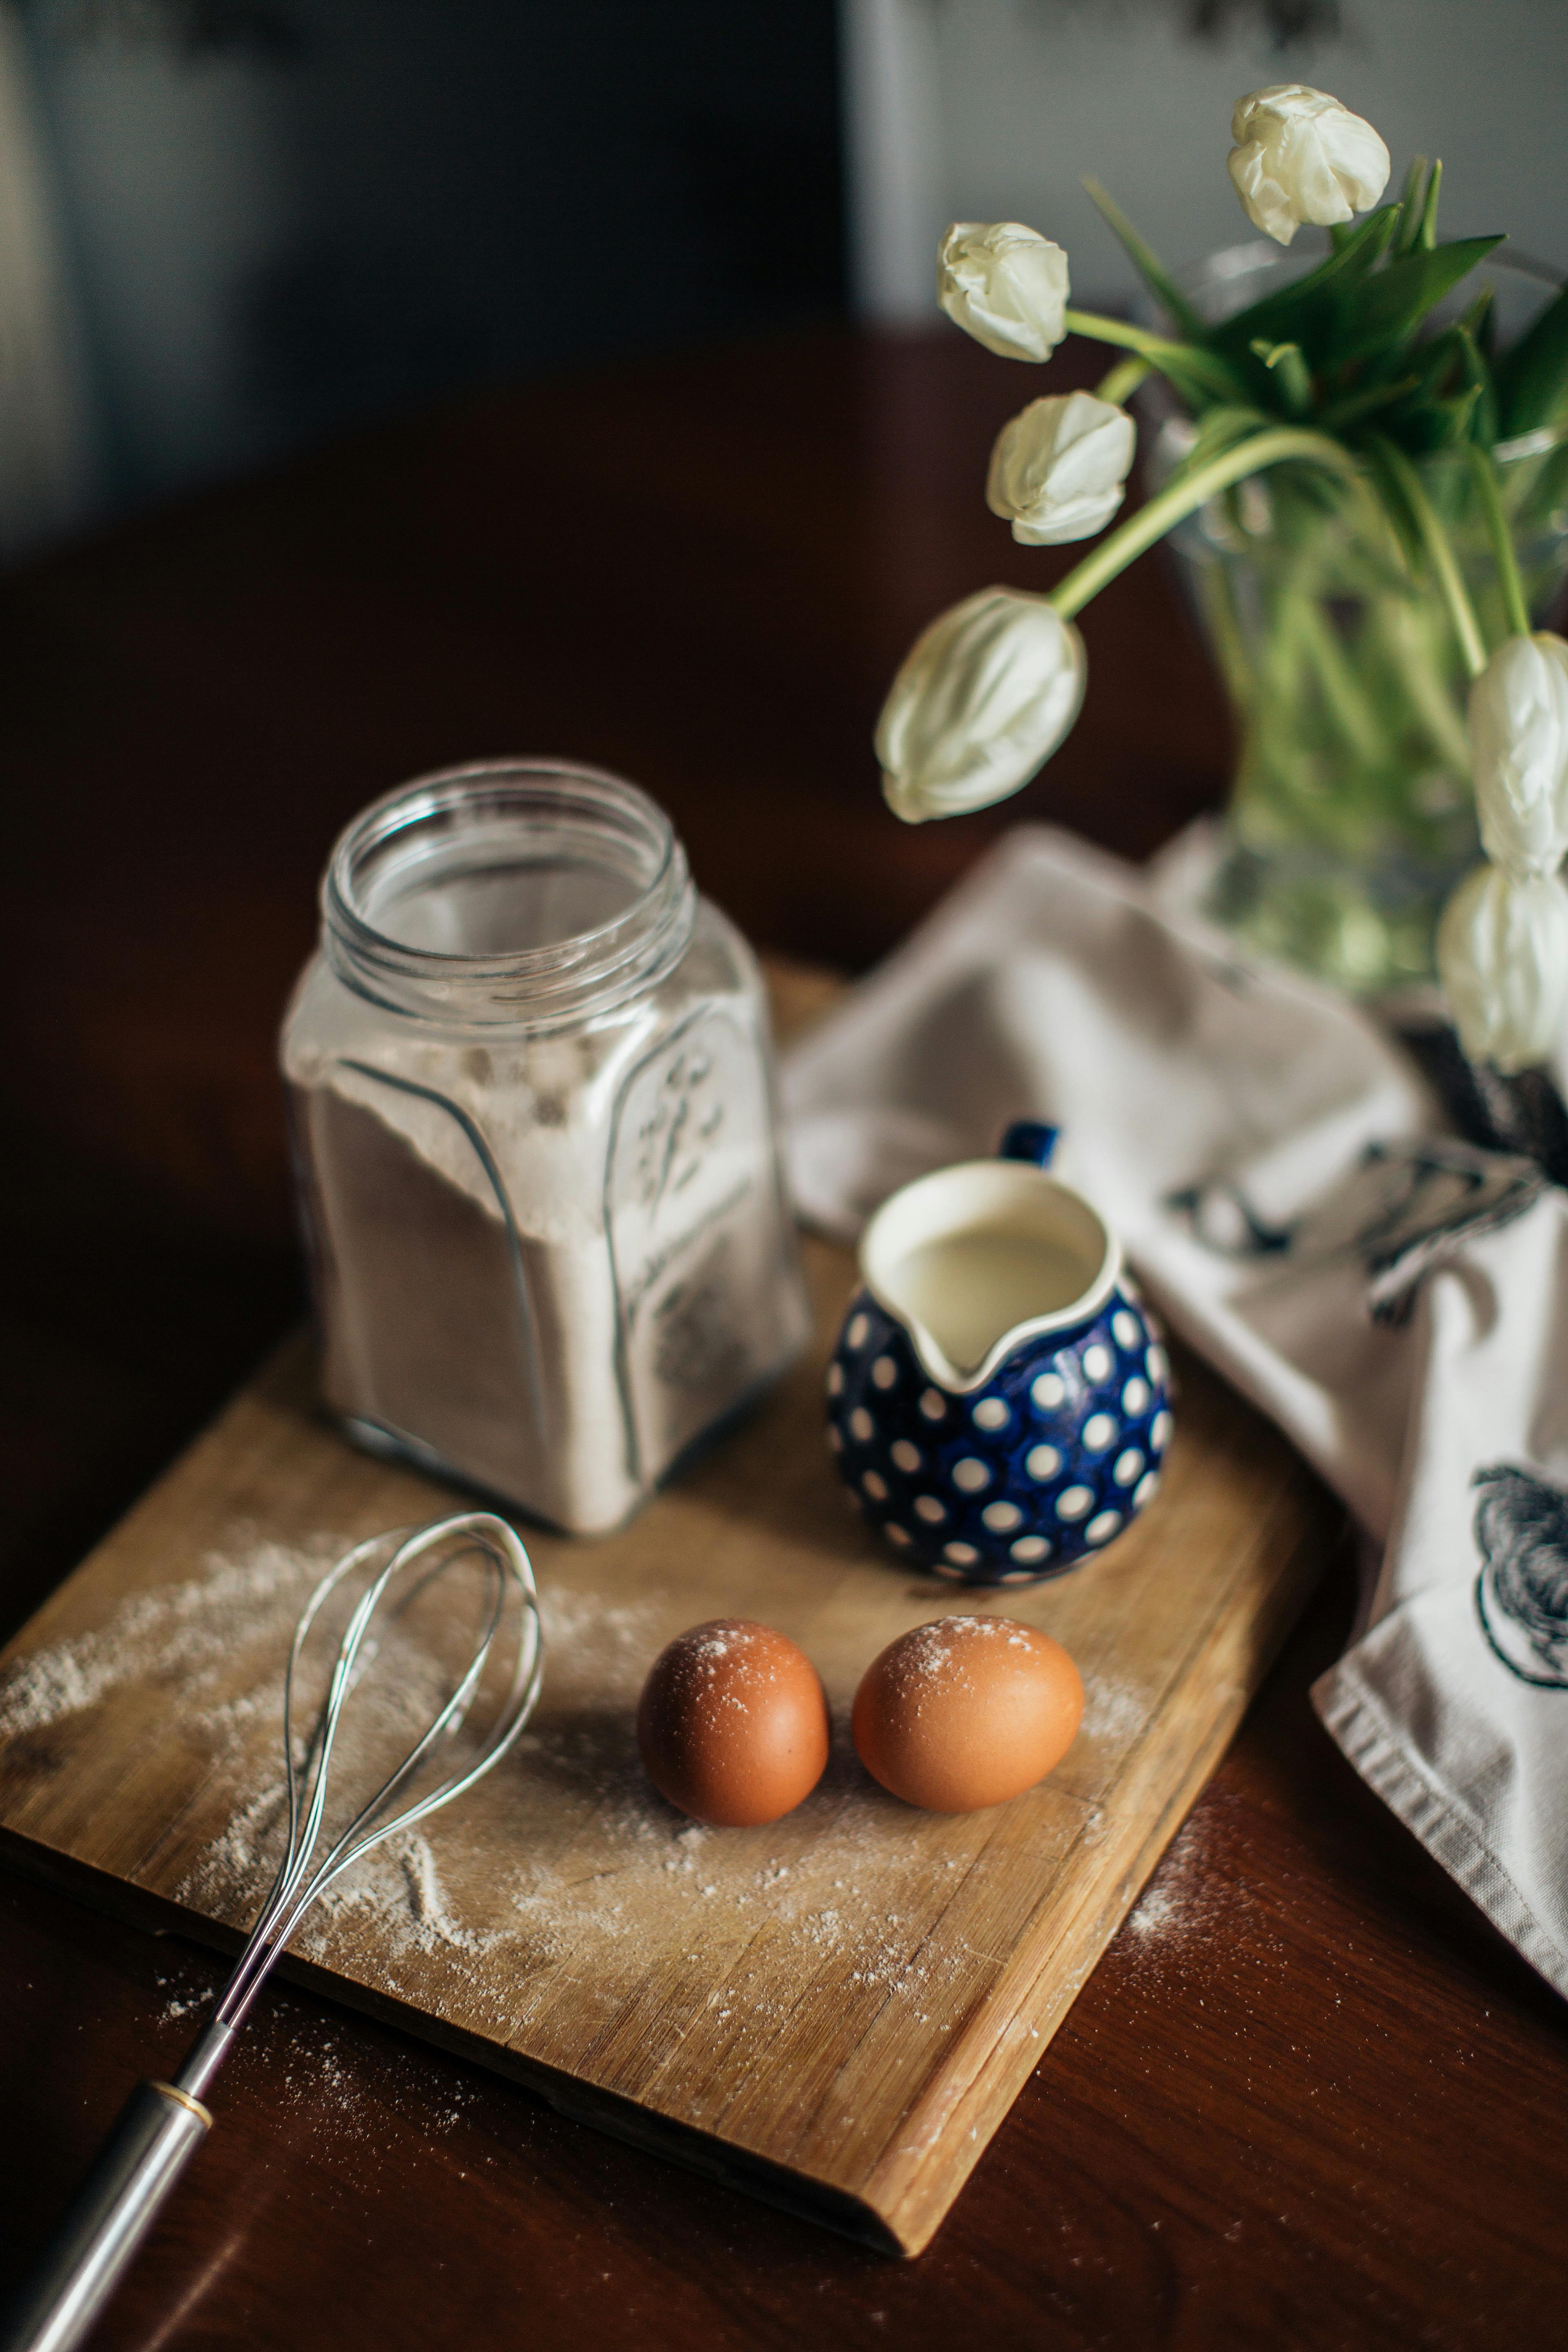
point(836, 2011)
point(1308, 2097)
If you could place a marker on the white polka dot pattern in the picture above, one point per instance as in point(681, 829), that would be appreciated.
point(1041, 1469)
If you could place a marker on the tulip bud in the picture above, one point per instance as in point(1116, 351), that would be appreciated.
point(1518, 753)
point(1503, 954)
point(1057, 470)
point(1299, 155)
point(1005, 285)
point(985, 696)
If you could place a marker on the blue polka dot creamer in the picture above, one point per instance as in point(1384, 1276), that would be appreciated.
point(998, 1401)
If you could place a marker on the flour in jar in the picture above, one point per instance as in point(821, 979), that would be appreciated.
point(547, 1262)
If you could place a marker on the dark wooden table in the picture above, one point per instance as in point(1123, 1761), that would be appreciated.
point(1309, 2097)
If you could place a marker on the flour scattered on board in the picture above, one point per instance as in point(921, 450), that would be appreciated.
point(562, 1869)
point(1113, 1712)
point(184, 1636)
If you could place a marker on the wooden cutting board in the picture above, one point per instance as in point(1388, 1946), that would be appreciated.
point(834, 2012)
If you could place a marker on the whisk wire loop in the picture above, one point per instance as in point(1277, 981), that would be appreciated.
point(164, 2123)
point(296, 1885)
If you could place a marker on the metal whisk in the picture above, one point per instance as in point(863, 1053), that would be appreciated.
point(162, 2124)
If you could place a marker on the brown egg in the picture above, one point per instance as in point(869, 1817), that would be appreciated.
point(966, 1712)
point(732, 1723)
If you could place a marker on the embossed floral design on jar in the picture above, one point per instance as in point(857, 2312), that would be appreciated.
point(530, 1077)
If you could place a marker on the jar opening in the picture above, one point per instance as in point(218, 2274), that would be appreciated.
point(519, 892)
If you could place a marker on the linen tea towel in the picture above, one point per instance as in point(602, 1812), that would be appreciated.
point(1396, 1300)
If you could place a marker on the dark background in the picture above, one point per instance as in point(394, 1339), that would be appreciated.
point(284, 215)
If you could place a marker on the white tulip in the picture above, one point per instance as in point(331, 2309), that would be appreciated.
point(1518, 753)
point(1005, 285)
point(1057, 471)
point(1503, 954)
point(983, 697)
point(1299, 155)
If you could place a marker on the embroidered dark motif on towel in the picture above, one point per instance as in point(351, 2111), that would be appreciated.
point(1522, 1592)
point(1403, 1209)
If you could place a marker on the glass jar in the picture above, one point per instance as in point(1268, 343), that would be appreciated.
point(530, 1092)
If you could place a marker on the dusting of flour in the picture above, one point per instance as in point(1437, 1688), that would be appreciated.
point(561, 1886)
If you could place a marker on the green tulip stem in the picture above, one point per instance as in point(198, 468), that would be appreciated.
point(1184, 495)
point(1439, 554)
point(1417, 666)
point(1508, 580)
point(1189, 360)
point(1122, 381)
point(1323, 654)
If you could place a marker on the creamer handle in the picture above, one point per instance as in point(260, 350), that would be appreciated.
point(1030, 1139)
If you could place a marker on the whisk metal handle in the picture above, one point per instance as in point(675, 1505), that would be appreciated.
point(159, 2129)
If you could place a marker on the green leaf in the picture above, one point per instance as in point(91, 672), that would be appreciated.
point(1199, 374)
point(1290, 374)
point(1542, 507)
point(1420, 427)
point(1477, 375)
point(1458, 415)
point(1479, 321)
point(1357, 406)
point(1294, 313)
point(1149, 266)
point(1427, 230)
point(1451, 361)
point(1390, 306)
point(1410, 204)
point(1363, 247)
point(1224, 423)
point(1406, 529)
point(1184, 371)
point(1532, 378)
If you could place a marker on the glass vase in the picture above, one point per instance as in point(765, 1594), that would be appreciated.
point(1351, 815)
